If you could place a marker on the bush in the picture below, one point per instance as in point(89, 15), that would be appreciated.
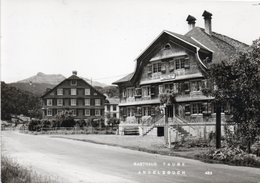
point(234, 156)
point(68, 122)
point(256, 148)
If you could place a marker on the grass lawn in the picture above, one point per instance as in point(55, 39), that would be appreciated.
point(151, 144)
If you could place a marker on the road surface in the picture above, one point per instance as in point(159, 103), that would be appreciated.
point(76, 161)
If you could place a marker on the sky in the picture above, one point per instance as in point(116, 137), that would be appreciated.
point(102, 38)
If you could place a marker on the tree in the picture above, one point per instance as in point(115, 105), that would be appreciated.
point(238, 83)
point(15, 101)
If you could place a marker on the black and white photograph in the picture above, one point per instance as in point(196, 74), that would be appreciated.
point(130, 91)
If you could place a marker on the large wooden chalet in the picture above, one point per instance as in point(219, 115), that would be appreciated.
point(73, 96)
point(179, 64)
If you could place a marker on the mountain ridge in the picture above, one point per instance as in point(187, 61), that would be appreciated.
point(54, 79)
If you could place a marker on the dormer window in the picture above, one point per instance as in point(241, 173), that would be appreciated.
point(73, 82)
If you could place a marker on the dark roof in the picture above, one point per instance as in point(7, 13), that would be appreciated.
point(223, 47)
point(113, 100)
point(124, 79)
point(188, 39)
point(74, 77)
point(71, 77)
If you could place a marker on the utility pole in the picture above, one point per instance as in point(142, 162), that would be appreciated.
point(166, 125)
point(218, 126)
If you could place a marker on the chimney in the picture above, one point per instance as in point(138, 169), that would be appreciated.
point(74, 73)
point(191, 22)
point(207, 17)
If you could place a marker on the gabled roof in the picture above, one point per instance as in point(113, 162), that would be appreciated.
point(222, 47)
point(124, 79)
point(113, 100)
point(69, 78)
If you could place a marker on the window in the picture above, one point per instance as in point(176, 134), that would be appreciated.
point(49, 102)
point(97, 112)
point(146, 111)
point(168, 87)
point(187, 109)
point(156, 67)
point(95, 93)
point(87, 101)
point(177, 64)
point(196, 86)
point(87, 112)
point(186, 87)
point(49, 112)
point(73, 102)
point(108, 107)
point(73, 82)
point(59, 102)
point(74, 112)
point(97, 102)
point(146, 91)
point(114, 115)
point(180, 63)
point(167, 46)
point(197, 108)
point(87, 91)
point(60, 91)
point(130, 92)
point(114, 107)
point(73, 91)
point(59, 111)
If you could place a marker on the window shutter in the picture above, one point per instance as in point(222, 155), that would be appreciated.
point(45, 101)
point(45, 112)
point(92, 112)
point(160, 89)
point(152, 90)
point(149, 68)
point(187, 63)
point(187, 109)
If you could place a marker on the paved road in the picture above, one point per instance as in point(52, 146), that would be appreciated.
point(75, 161)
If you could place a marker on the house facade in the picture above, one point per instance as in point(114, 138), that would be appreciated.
point(176, 64)
point(111, 108)
point(74, 96)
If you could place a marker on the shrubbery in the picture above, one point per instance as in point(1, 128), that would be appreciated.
point(234, 156)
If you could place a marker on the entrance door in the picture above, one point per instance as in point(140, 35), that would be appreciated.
point(160, 131)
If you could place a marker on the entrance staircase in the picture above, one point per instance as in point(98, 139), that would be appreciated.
point(177, 125)
point(155, 120)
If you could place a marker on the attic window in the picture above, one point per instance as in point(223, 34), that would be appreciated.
point(167, 46)
point(73, 82)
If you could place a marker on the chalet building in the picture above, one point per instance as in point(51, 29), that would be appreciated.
point(111, 108)
point(75, 96)
point(179, 64)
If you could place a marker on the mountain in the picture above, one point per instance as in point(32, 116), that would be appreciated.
point(95, 83)
point(37, 89)
point(40, 77)
point(38, 83)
